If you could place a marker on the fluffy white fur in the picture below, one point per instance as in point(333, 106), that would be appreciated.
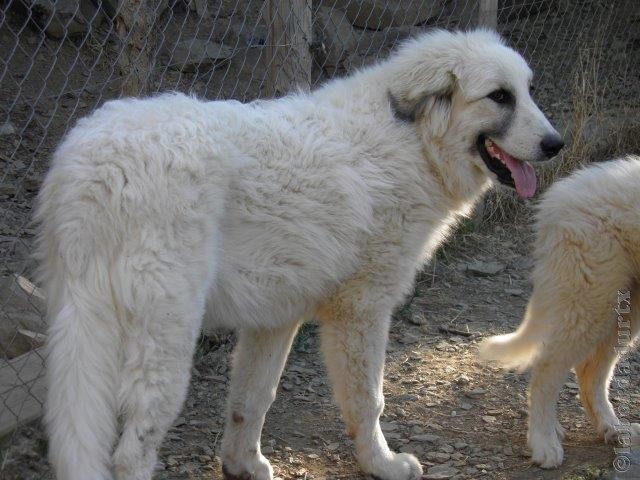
point(585, 282)
point(158, 213)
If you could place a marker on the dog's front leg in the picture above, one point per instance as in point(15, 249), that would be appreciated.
point(259, 358)
point(354, 340)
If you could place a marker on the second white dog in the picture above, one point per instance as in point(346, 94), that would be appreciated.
point(585, 307)
point(266, 214)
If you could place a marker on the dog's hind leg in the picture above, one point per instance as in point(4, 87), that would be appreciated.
point(155, 377)
point(161, 291)
point(258, 362)
point(596, 372)
point(545, 433)
point(354, 339)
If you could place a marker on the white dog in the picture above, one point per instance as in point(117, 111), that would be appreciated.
point(585, 307)
point(264, 215)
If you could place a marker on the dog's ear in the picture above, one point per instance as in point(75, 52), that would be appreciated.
point(410, 94)
point(431, 107)
point(423, 74)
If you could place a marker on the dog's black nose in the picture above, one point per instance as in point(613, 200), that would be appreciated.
point(551, 145)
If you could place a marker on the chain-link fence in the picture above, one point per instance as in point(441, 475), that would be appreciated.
point(59, 60)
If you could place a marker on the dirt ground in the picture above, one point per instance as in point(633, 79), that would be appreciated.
point(443, 404)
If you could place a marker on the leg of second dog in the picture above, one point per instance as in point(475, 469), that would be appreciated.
point(594, 374)
point(259, 359)
point(545, 432)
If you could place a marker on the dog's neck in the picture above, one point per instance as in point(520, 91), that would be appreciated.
point(463, 188)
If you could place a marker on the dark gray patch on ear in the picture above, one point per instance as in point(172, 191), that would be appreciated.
point(407, 111)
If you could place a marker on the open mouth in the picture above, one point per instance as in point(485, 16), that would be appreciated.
point(510, 171)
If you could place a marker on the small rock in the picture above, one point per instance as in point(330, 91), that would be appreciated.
point(463, 380)
point(441, 457)
point(488, 419)
point(476, 393)
point(440, 472)
point(7, 129)
point(460, 445)
point(268, 450)
point(412, 449)
point(447, 449)
point(195, 53)
point(516, 292)
point(508, 451)
point(484, 269)
point(425, 438)
point(572, 385)
point(179, 421)
point(388, 426)
point(466, 406)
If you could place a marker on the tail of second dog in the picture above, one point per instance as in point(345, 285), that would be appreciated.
point(516, 350)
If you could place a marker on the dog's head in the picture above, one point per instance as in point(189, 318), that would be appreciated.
point(470, 95)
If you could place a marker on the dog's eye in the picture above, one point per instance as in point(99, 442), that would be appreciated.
point(500, 96)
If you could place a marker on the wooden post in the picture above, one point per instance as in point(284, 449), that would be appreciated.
point(288, 55)
point(488, 14)
point(134, 21)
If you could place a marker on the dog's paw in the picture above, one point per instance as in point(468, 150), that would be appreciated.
point(255, 468)
point(621, 434)
point(546, 450)
point(402, 466)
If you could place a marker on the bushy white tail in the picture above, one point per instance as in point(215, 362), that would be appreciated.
point(515, 350)
point(512, 350)
point(81, 411)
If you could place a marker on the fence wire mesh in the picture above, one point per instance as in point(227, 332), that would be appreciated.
point(59, 60)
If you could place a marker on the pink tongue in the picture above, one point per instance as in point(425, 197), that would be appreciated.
point(523, 174)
